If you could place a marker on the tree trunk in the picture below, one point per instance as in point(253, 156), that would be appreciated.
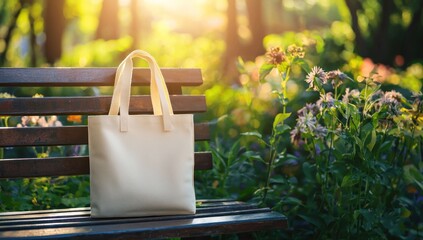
point(136, 23)
point(257, 28)
point(108, 25)
point(382, 51)
point(32, 40)
point(54, 25)
point(353, 7)
point(8, 36)
point(232, 40)
point(414, 37)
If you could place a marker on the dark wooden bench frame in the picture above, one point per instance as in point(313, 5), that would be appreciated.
point(214, 217)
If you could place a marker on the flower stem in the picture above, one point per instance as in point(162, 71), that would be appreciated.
point(284, 81)
point(269, 167)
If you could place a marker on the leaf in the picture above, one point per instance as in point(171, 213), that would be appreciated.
point(413, 175)
point(405, 213)
point(312, 219)
point(282, 128)
point(282, 67)
point(254, 156)
point(240, 65)
point(308, 170)
point(278, 180)
point(265, 69)
point(304, 65)
point(372, 140)
point(348, 181)
point(280, 118)
point(255, 134)
point(291, 200)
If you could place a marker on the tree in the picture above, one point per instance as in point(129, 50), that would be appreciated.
point(234, 47)
point(232, 40)
point(257, 27)
point(108, 25)
point(389, 36)
point(54, 26)
point(9, 32)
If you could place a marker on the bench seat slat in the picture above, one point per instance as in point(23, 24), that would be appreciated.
point(67, 135)
point(201, 226)
point(221, 217)
point(56, 77)
point(84, 219)
point(83, 215)
point(68, 166)
point(92, 105)
point(202, 203)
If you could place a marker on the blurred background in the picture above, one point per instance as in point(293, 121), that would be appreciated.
point(204, 33)
point(228, 40)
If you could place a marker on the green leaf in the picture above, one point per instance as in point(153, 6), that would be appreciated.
point(292, 200)
point(303, 64)
point(281, 128)
point(313, 220)
point(372, 140)
point(255, 134)
point(265, 69)
point(278, 180)
point(282, 67)
point(254, 156)
point(240, 65)
point(348, 181)
point(280, 118)
point(413, 175)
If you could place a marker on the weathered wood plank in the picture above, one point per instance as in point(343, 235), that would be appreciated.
point(208, 204)
point(92, 105)
point(83, 214)
point(68, 166)
point(67, 135)
point(54, 77)
point(82, 218)
point(194, 226)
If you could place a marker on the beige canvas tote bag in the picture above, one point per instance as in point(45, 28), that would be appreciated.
point(141, 165)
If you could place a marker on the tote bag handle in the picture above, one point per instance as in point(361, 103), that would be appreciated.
point(158, 91)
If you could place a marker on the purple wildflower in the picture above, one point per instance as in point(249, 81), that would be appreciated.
point(316, 78)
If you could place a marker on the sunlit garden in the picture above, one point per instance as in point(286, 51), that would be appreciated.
point(315, 108)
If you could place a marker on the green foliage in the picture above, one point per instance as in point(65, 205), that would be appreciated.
point(98, 53)
point(44, 193)
point(355, 168)
point(357, 143)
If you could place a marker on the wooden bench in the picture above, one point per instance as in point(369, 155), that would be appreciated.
point(214, 217)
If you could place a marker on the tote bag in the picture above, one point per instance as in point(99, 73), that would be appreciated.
point(141, 165)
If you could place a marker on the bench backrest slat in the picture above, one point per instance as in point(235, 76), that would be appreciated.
point(28, 165)
point(67, 135)
point(67, 166)
point(60, 77)
point(92, 105)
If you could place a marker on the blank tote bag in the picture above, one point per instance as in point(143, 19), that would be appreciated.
point(141, 165)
